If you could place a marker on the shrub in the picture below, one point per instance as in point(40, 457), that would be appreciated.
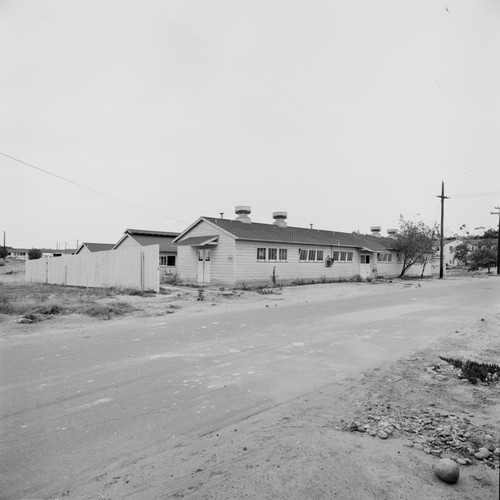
point(171, 279)
point(34, 254)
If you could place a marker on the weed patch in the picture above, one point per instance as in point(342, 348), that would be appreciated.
point(106, 311)
point(473, 371)
point(138, 293)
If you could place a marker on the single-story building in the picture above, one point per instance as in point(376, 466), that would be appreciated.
point(232, 252)
point(94, 247)
point(22, 253)
point(142, 237)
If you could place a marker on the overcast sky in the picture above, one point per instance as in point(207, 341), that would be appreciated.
point(344, 113)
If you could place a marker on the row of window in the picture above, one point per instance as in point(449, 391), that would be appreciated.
point(272, 254)
point(342, 256)
point(305, 255)
point(311, 255)
point(384, 257)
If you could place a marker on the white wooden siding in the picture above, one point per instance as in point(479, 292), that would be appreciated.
point(222, 268)
point(248, 269)
point(124, 268)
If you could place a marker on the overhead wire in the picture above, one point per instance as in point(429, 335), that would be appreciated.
point(90, 188)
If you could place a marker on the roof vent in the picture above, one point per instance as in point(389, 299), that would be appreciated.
point(242, 211)
point(392, 233)
point(280, 219)
point(376, 231)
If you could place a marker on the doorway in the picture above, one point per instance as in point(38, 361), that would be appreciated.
point(203, 265)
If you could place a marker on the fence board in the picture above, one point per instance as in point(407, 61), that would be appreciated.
point(123, 268)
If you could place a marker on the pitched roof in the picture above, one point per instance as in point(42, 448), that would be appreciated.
point(147, 232)
point(200, 240)
point(147, 237)
point(96, 247)
point(256, 231)
point(165, 242)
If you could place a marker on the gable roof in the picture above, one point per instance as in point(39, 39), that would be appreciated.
point(96, 247)
point(271, 233)
point(147, 232)
point(146, 237)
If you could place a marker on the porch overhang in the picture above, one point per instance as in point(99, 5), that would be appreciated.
point(200, 241)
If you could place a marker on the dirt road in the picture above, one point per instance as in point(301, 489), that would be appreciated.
point(247, 399)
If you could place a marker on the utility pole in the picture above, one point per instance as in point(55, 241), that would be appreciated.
point(441, 251)
point(498, 242)
point(4, 247)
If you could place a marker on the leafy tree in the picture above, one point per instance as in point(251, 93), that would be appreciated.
point(3, 252)
point(34, 254)
point(415, 240)
point(461, 253)
point(483, 258)
point(490, 234)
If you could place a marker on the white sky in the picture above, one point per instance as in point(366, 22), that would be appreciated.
point(344, 113)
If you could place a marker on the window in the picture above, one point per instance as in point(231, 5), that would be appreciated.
point(261, 254)
point(163, 260)
point(302, 255)
point(319, 255)
point(283, 254)
point(365, 259)
point(343, 256)
point(273, 253)
point(349, 256)
point(312, 254)
point(171, 260)
point(335, 256)
point(389, 257)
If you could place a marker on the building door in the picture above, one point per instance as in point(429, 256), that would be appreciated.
point(203, 265)
point(365, 267)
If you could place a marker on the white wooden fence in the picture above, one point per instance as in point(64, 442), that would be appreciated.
point(123, 268)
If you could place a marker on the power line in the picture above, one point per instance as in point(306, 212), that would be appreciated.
point(475, 195)
point(90, 188)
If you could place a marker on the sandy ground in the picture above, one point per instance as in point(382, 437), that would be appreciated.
point(319, 445)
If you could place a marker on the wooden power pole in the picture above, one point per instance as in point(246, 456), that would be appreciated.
point(498, 242)
point(441, 250)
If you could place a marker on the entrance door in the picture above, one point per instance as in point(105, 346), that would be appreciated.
point(365, 267)
point(203, 265)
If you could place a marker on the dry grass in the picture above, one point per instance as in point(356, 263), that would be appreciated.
point(39, 301)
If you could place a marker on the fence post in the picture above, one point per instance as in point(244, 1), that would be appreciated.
point(142, 270)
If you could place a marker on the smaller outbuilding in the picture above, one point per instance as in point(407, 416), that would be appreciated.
point(143, 237)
